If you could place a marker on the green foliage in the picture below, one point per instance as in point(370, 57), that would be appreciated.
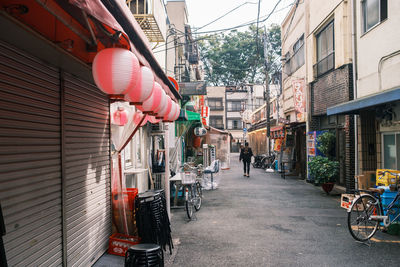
point(327, 143)
point(323, 169)
point(238, 57)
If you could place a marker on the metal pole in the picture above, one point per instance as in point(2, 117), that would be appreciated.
point(267, 93)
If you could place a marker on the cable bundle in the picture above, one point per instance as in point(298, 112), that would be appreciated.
point(152, 219)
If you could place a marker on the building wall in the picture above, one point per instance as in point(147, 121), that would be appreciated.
point(217, 92)
point(319, 14)
point(372, 46)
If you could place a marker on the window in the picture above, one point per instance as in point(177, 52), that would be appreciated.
point(259, 101)
point(234, 106)
point(373, 12)
point(325, 50)
point(133, 152)
point(297, 60)
point(235, 124)
point(391, 151)
point(215, 104)
point(217, 122)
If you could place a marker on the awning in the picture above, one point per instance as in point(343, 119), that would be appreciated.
point(354, 106)
point(193, 116)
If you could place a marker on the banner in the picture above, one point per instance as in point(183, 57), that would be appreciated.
point(299, 99)
point(205, 114)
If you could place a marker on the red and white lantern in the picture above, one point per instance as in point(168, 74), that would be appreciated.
point(137, 117)
point(178, 111)
point(168, 116)
point(163, 102)
point(166, 109)
point(153, 102)
point(120, 116)
point(153, 119)
point(143, 88)
point(116, 71)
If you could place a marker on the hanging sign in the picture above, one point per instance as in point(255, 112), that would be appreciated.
point(200, 131)
point(205, 114)
point(299, 99)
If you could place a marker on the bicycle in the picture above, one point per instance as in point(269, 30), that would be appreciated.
point(193, 190)
point(366, 212)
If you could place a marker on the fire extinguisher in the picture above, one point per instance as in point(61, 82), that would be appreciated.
point(3, 260)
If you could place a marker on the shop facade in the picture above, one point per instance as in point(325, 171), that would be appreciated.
point(55, 131)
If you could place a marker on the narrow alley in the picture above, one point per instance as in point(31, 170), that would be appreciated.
point(265, 220)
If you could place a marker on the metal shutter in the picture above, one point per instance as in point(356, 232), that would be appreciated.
point(30, 159)
point(87, 148)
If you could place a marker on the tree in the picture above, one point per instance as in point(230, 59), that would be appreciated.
point(238, 57)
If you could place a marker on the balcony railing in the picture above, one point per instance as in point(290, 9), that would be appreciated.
point(216, 108)
point(218, 126)
point(324, 65)
point(143, 11)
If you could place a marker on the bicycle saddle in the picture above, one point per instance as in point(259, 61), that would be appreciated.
point(377, 190)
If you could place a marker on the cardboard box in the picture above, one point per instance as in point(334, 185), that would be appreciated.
point(346, 200)
point(366, 180)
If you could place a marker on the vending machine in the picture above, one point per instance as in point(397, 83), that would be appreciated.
point(312, 150)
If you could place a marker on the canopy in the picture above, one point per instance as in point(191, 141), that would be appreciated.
point(193, 116)
point(354, 106)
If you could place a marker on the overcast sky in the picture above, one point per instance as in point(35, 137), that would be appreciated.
point(202, 12)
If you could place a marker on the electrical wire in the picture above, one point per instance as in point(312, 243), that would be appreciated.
point(291, 20)
point(264, 18)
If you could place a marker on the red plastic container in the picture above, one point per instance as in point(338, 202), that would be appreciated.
point(132, 193)
point(118, 244)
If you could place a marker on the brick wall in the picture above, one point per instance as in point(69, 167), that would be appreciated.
point(331, 89)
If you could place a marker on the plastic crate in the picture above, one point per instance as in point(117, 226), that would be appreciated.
point(387, 198)
point(131, 193)
point(386, 179)
point(118, 244)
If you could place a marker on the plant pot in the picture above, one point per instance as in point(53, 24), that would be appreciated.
point(327, 187)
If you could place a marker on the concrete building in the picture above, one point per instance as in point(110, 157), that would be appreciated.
point(377, 91)
point(216, 103)
point(294, 83)
point(330, 76)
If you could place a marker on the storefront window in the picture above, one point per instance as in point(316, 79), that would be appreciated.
point(391, 151)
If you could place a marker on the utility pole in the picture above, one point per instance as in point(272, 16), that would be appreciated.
point(267, 92)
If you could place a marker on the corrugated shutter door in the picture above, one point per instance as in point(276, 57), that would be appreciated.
point(88, 201)
point(30, 159)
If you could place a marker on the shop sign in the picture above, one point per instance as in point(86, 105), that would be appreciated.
point(205, 114)
point(299, 99)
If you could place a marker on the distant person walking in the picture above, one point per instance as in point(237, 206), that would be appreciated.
point(245, 154)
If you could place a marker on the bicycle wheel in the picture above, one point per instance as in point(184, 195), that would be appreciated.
point(360, 225)
point(189, 202)
point(198, 196)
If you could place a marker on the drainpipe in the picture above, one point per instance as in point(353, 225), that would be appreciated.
point(354, 55)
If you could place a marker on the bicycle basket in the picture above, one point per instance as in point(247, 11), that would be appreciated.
point(188, 178)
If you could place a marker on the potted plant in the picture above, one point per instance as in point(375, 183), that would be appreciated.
point(325, 169)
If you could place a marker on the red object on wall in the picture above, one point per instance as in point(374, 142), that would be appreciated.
point(197, 142)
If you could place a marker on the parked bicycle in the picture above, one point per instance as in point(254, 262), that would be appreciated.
point(263, 161)
point(366, 212)
point(193, 191)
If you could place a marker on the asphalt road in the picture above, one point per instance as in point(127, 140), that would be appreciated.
point(265, 220)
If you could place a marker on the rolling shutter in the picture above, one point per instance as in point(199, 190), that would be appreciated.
point(87, 171)
point(30, 159)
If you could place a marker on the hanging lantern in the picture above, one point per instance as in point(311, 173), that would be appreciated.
point(153, 119)
point(168, 114)
point(174, 110)
point(143, 88)
point(197, 142)
point(137, 117)
point(116, 71)
point(200, 131)
point(120, 116)
point(151, 103)
point(178, 112)
point(166, 109)
point(163, 102)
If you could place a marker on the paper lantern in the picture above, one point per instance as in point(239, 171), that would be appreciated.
point(178, 111)
point(120, 116)
point(151, 103)
point(200, 131)
point(115, 71)
point(153, 119)
point(137, 117)
point(163, 102)
point(168, 116)
point(166, 109)
point(143, 88)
